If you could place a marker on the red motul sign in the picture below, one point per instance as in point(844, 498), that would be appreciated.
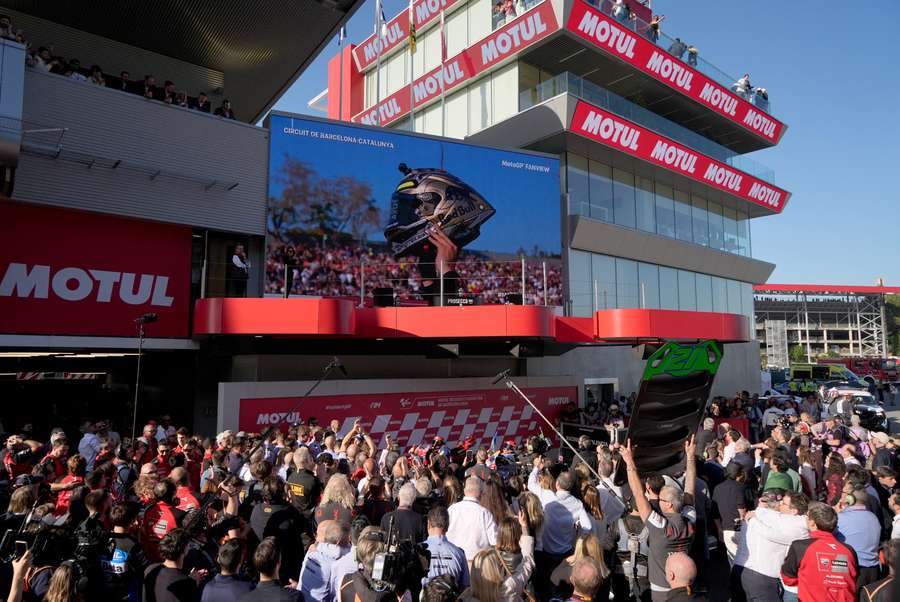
point(396, 31)
point(524, 31)
point(411, 418)
point(611, 37)
point(73, 273)
point(618, 133)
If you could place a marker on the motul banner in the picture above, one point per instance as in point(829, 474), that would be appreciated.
point(68, 272)
point(396, 31)
point(623, 135)
point(613, 38)
point(411, 418)
point(524, 31)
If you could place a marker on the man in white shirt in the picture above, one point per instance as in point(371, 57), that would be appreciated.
point(731, 438)
point(89, 446)
point(472, 526)
point(561, 516)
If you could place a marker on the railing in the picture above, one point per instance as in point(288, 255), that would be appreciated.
point(499, 19)
point(680, 50)
point(482, 281)
point(570, 83)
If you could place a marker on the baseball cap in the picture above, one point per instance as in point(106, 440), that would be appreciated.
point(882, 437)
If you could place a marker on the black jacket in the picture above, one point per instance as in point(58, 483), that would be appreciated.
point(271, 591)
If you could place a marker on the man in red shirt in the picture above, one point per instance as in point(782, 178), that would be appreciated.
point(53, 465)
point(166, 459)
point(18, 459)
point(187, 501)
point(821, 567)
point(159, 519)
point(76, 466)
point(148, 438)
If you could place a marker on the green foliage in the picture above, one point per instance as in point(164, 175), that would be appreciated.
point(797, 354)
point(892, 319)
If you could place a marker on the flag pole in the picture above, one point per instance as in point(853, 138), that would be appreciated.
point(412, 52)
point(443, 87)
point(341, 36)
point(378, 43)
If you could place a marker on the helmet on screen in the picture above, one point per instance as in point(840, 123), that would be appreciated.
point(433, 197)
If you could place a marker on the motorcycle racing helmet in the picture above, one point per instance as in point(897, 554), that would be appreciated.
point(428, 197)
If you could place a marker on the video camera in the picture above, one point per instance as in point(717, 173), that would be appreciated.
point(402, 564)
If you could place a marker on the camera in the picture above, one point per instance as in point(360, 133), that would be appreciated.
point(401, 564)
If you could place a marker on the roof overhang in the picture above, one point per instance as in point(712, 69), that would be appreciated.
point(826, 289)
point(260, 46)
point(339, 319)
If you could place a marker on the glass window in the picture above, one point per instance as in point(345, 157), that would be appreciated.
point(646, 205)
point(701, 220)
point(456, 28)
point(716, 226)
point(506, 92)
point(431, 45)
point(479, 19)
point(734, 297)
point(627, 283)
point(580, 291)
point(731, 240)
point(577, 180)
point(687, 291)
point(704, 293)
point(665, 211)
point(479, 105)
point(747, 300)
point(604, 281)
point(743, 228)
point(529, 78)
point(683, 216)
point(668, 288)
point(457, 117)
point(370, 88)
point(648, 280)
point(623, 198)
point(719, 294)
point(433, 119)
point(601, 191)
point(397, 72)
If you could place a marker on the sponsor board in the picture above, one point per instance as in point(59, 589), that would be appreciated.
point(618, 133)
point(411, 418)
point(75, 273)
point(396, 31)
point(507, 41)
point(613, 38)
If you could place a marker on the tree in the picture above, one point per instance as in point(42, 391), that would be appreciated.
point(286, 211)
point(354, 210)
point(892, 323)
point(797, 354)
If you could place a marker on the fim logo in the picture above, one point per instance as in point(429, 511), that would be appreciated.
point(406, 403)
point(375, 405)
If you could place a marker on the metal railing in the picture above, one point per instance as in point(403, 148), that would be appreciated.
point(569, 83)
point(680, 50)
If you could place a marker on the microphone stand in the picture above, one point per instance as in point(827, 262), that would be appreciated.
point(137, 379)
point(510, 384)
point(326, 372)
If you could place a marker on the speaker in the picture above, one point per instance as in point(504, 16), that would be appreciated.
point(514, 298)
point(384, 296)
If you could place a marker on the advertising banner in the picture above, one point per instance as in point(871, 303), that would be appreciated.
point(623, 135)
point(523, 31)
point(613, 38)
point(66, 272)
point(353, 208)
point(413, 418)
point(396, 31)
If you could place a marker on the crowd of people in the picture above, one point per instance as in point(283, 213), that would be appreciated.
point(334, 271)
point(42, 58)
point(800, 508)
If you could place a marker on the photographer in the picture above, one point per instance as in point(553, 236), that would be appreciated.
point(360, 586)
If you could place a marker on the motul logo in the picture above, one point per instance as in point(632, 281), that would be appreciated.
point(607, 34)
point(718, 98)
point(387, 111)
point(766, 195)
point(427, 9)
point(77, 284)
point(392, 35)
point(674, 156)
point(451, 74)
point(723, 177)
point(668, 69)
point(277, 418)
point(612, 130)
point(761, 124)
point(511, 39)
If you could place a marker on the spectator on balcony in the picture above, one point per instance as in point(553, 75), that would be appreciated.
point(124, 84)
point(149, 89)
point(73, 71)
point(181, 99)
point(97, 76)
point(620, 11)
point(6, 27)
point(169, 91)
point(509, 9)
point(743, 86)
point(225, 110)
point(202, 103)
point(653, 31)
point(43, 60)
point(678, 48)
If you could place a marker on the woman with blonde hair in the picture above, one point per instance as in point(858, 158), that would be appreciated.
point(586, 547)
point(338, 500)
point(63, 587)
point(485, 578)
point(453, 491)
point(533, 511)
point(601, 523)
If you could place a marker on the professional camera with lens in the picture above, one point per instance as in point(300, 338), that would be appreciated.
point(786, 424)
point(402, 564)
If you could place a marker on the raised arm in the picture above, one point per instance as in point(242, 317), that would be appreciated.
point(690, 471)
point(634, 482)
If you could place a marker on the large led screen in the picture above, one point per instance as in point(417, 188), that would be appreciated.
point(355, 211)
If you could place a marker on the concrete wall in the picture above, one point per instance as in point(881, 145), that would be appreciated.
point(174, 165)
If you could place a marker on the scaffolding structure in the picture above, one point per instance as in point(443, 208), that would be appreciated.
point(823, 320)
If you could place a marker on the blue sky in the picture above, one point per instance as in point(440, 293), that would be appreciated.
point(832, 74)
point(525, 201)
